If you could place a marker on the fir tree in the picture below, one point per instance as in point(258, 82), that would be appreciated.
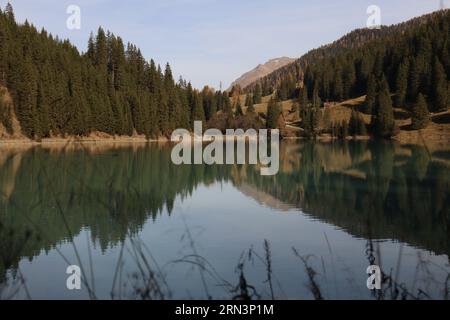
point(317, 102)
point(401, 84)
point(257, 95)
point(439, 87)
point(304, 101)
point(198, 113)
point(238, 111)
point(226, 104)
point(420, 116)
point(369, 103)
point(384, 114)
point(91, 48)
point(273, 114)
point(248, 100)
point(338, 86)
point(9, 12)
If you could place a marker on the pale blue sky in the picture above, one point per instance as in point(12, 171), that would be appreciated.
point(208, 41)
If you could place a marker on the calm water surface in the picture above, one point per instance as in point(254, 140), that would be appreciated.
point(133, 220)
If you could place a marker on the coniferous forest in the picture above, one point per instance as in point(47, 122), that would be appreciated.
point(111, 88)
point(398, 66)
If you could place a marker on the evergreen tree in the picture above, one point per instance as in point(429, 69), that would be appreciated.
point(356, 125)
point(338, 86)
point(238, 111)
point(439, 87)
point(257, 95)
point(226, 104)
point(273, 114)
point(317, 102)
point(308, 121)
point(26, 99)
point(248, 100)
point(348, 80)
point(91, 48)
point(420, 116)
point(369, 103)
point(413, 79)
point(101, 52)
point(43, 112)
point(401, 84)
point(304, 101)
point(384, 114)
point(198, 113)
point(9, 12)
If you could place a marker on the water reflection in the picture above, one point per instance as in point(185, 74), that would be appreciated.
point(375, 190)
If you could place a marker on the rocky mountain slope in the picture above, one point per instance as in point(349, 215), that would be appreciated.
point(261, 71)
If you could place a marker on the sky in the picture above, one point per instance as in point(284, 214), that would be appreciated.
point(213, 41)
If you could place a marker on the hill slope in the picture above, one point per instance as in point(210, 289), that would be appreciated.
point(260, 71)
point(353, 40)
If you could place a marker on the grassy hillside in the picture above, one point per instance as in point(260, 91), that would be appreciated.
point(437, 131)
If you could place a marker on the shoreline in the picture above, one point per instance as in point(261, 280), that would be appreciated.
point(433, 134)
point(84, 140)
point(416, 140)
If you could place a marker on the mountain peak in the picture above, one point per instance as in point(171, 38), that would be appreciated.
point(261, 71)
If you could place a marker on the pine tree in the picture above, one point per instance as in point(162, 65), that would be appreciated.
point(420, 115)
point(317, 102)
point(238, 111)
point(91, 48)
point(26, 99)
point(413, 79)
point(304, 101)
point(308, 121)
point(369, 103)
point(384, 114)
point(401, 84)
point(43, 112)
point(439, 87)
point(257, 95)
point(248, 100)
point(356, 125)
point(9, 12)
point(226, 104)
point(273, 114)
point(101, 52)
point(348, 79)
point(198, 113)
point(338, 86)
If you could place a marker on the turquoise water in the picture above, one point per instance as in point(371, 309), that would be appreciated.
point(141, 227)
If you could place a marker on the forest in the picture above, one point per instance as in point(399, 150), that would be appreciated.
point(111, 88)
point(403, 66)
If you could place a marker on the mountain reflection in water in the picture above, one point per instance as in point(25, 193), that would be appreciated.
point(370, 190)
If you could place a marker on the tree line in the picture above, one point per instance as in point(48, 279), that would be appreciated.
point(405, 66)
point(111, 88)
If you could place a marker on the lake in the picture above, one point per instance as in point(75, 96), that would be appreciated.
point(140, 227)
